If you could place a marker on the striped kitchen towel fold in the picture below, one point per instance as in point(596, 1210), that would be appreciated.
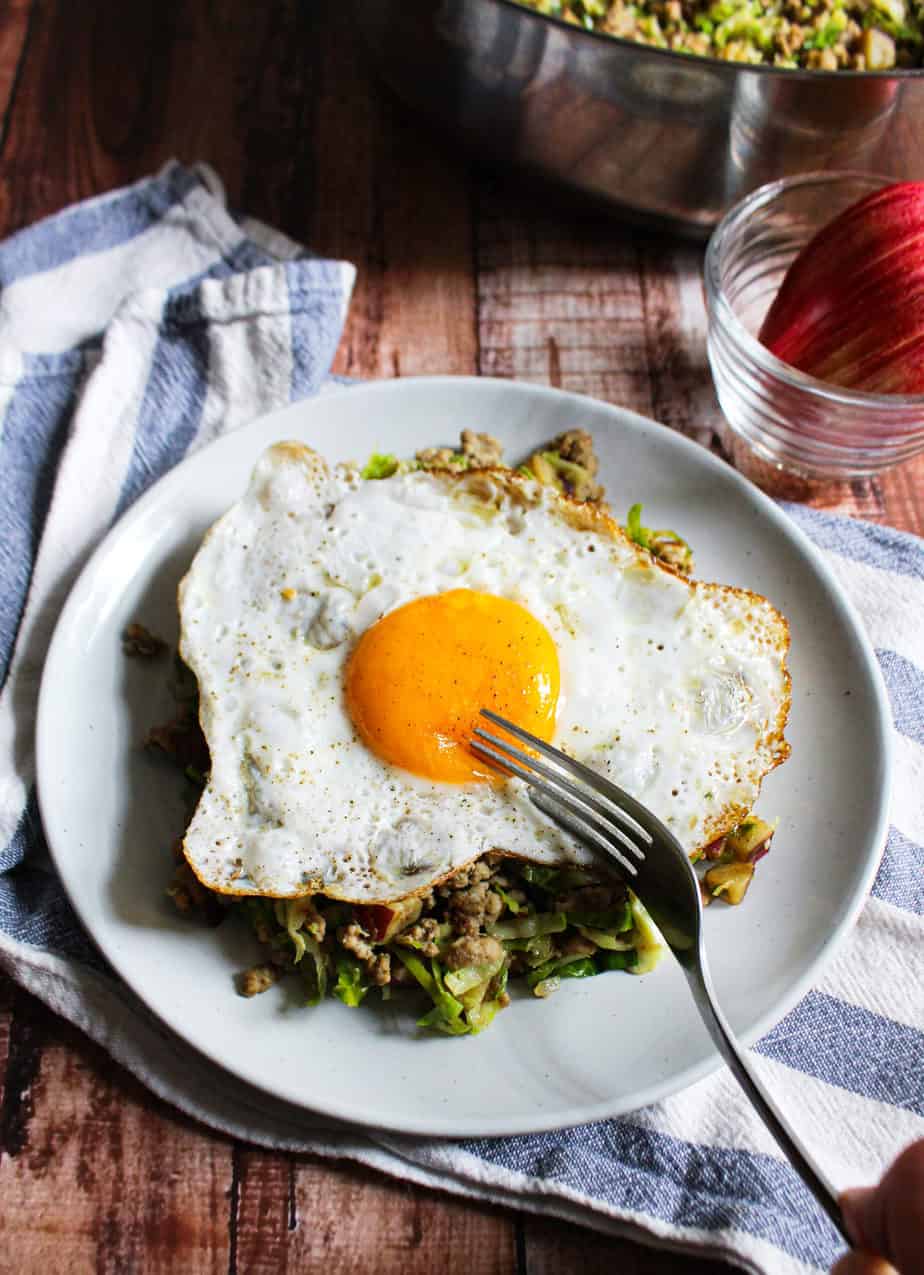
point(134, 329)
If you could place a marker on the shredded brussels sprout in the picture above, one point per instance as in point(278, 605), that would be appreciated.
point(380, 465)
point(528, 927)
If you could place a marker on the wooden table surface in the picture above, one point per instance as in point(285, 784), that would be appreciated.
point(459, 271)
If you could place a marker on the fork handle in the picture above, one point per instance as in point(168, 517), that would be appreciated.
point(697, 974)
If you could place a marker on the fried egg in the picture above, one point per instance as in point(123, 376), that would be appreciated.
point(345, 634)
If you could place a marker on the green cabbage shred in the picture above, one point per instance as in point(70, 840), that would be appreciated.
point(351, 985)
point(380, 465)
point(528, 927)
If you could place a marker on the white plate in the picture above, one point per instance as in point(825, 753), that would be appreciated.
point(596, 1048)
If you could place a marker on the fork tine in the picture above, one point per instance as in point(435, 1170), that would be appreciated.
point(560, 783)
point(604, 787)
point(564, 809)
point(507, 763)
point(564, 814)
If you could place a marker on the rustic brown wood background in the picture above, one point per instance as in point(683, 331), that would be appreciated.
point(459, 271)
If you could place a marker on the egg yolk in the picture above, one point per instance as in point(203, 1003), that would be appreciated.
point(417, 679)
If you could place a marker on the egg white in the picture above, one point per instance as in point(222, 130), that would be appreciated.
point(676, 690)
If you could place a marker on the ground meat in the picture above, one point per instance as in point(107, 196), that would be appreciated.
point(480, 870)
point(422, 937)
point(570, 464)
point(377, 964)
point(789, 39)
point(494, 906)
point(481, 450)
point(577, 446)
point(436, 457)
point(470, 910)
point(476, 451)
point(140, 643)
point(258, 979)
point(355, 939)
point(473, 950)
point(311, 919)
point(190, 896)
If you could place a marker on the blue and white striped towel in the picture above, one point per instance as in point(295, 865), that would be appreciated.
point(134, 329)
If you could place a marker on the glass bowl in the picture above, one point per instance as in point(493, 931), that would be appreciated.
point(782, 421)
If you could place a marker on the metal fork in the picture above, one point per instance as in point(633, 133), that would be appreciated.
point(656, 866)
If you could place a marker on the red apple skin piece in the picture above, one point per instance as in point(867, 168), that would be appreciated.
point(714, 849)
point(850, 310)
point(382, 921)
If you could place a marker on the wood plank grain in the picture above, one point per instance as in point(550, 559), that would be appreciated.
point(674, 318)
point(95, 1174)
point(582, 302)
point(7, 994)
point(264, 1213)
point(297, 1213)
point(559, 301)
point(392, 203)
point(416, 1231)
point(557, 1248)
point(110, 91)
point(43, 160)
point(252, 123)
point(14, 28)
